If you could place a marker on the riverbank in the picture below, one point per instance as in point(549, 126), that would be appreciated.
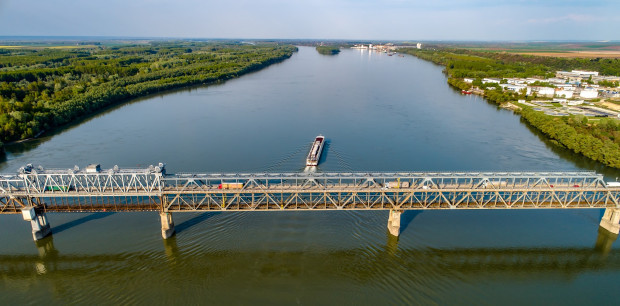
point(45, 89)
point(595, 140)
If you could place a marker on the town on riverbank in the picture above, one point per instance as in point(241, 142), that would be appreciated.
point(573, 92)
point(573, 101)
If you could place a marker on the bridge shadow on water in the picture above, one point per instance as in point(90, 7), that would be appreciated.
point(178, 228)
point(76, 222)
point(407, 217)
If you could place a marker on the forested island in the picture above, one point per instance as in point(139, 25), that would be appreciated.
point(328, 50)
point(43, 88)
point(598, 140)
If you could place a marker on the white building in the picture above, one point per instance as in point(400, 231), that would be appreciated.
point(564, 74)
point(515, 81)
point(584, 73)
point(574, 102)
point(576, 74)
point(588, 94)
point(468, 80)
point(491, 80)
point(556, 81)
point(597, 79)
point(564, 94)
point(419, 45)
point(532, 80)
point(516, 88)
point(544, 91)
point(565, 86)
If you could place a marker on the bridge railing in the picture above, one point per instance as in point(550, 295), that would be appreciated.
point(151, 188)
point(392, 180)
point(148, 182)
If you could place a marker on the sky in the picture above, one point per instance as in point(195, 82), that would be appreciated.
point(479, 20)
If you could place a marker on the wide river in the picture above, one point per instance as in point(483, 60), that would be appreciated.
point(378, 113)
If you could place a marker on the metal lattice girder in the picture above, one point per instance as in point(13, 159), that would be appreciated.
point(401, 199)
point(64, 183)
point(152, 189)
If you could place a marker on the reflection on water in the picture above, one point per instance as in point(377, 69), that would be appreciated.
point(604, 241)
point(422, 274)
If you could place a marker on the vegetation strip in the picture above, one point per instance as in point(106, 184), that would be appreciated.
point(45, 88)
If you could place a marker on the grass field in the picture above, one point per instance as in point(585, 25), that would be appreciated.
point(553, 49)
point(576, 54)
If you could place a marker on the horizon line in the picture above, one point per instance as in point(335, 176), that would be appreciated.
point(107, 37)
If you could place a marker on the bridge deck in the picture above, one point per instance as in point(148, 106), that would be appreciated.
point(151, 189)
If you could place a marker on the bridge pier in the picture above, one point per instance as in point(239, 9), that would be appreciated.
point(394, 222)
point(38, 221)
point(611, 220)
point(167, 225)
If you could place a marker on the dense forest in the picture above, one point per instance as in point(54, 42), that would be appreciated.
point(44, 88)
point(462, 63)
point(597, 140)
point(328, 50)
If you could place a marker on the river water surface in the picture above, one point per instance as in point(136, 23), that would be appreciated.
point(379, 113)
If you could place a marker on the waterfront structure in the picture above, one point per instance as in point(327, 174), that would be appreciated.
point(35, 191)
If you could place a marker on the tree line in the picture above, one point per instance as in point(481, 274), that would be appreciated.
point(328, 50)
point(43, 89)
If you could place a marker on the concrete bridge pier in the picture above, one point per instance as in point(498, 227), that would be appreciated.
point(394, 222)
point(38, 221)
point(611, 220)
point(167, 225)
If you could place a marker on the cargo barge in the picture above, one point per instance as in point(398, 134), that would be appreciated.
point(315, 152)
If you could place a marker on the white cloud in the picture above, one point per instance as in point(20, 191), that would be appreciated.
point(569, 18)
point(346, 19)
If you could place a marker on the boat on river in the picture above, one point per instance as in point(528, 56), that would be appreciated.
point(315, 152)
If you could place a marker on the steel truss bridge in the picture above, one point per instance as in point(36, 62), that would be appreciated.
point(151, 189)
